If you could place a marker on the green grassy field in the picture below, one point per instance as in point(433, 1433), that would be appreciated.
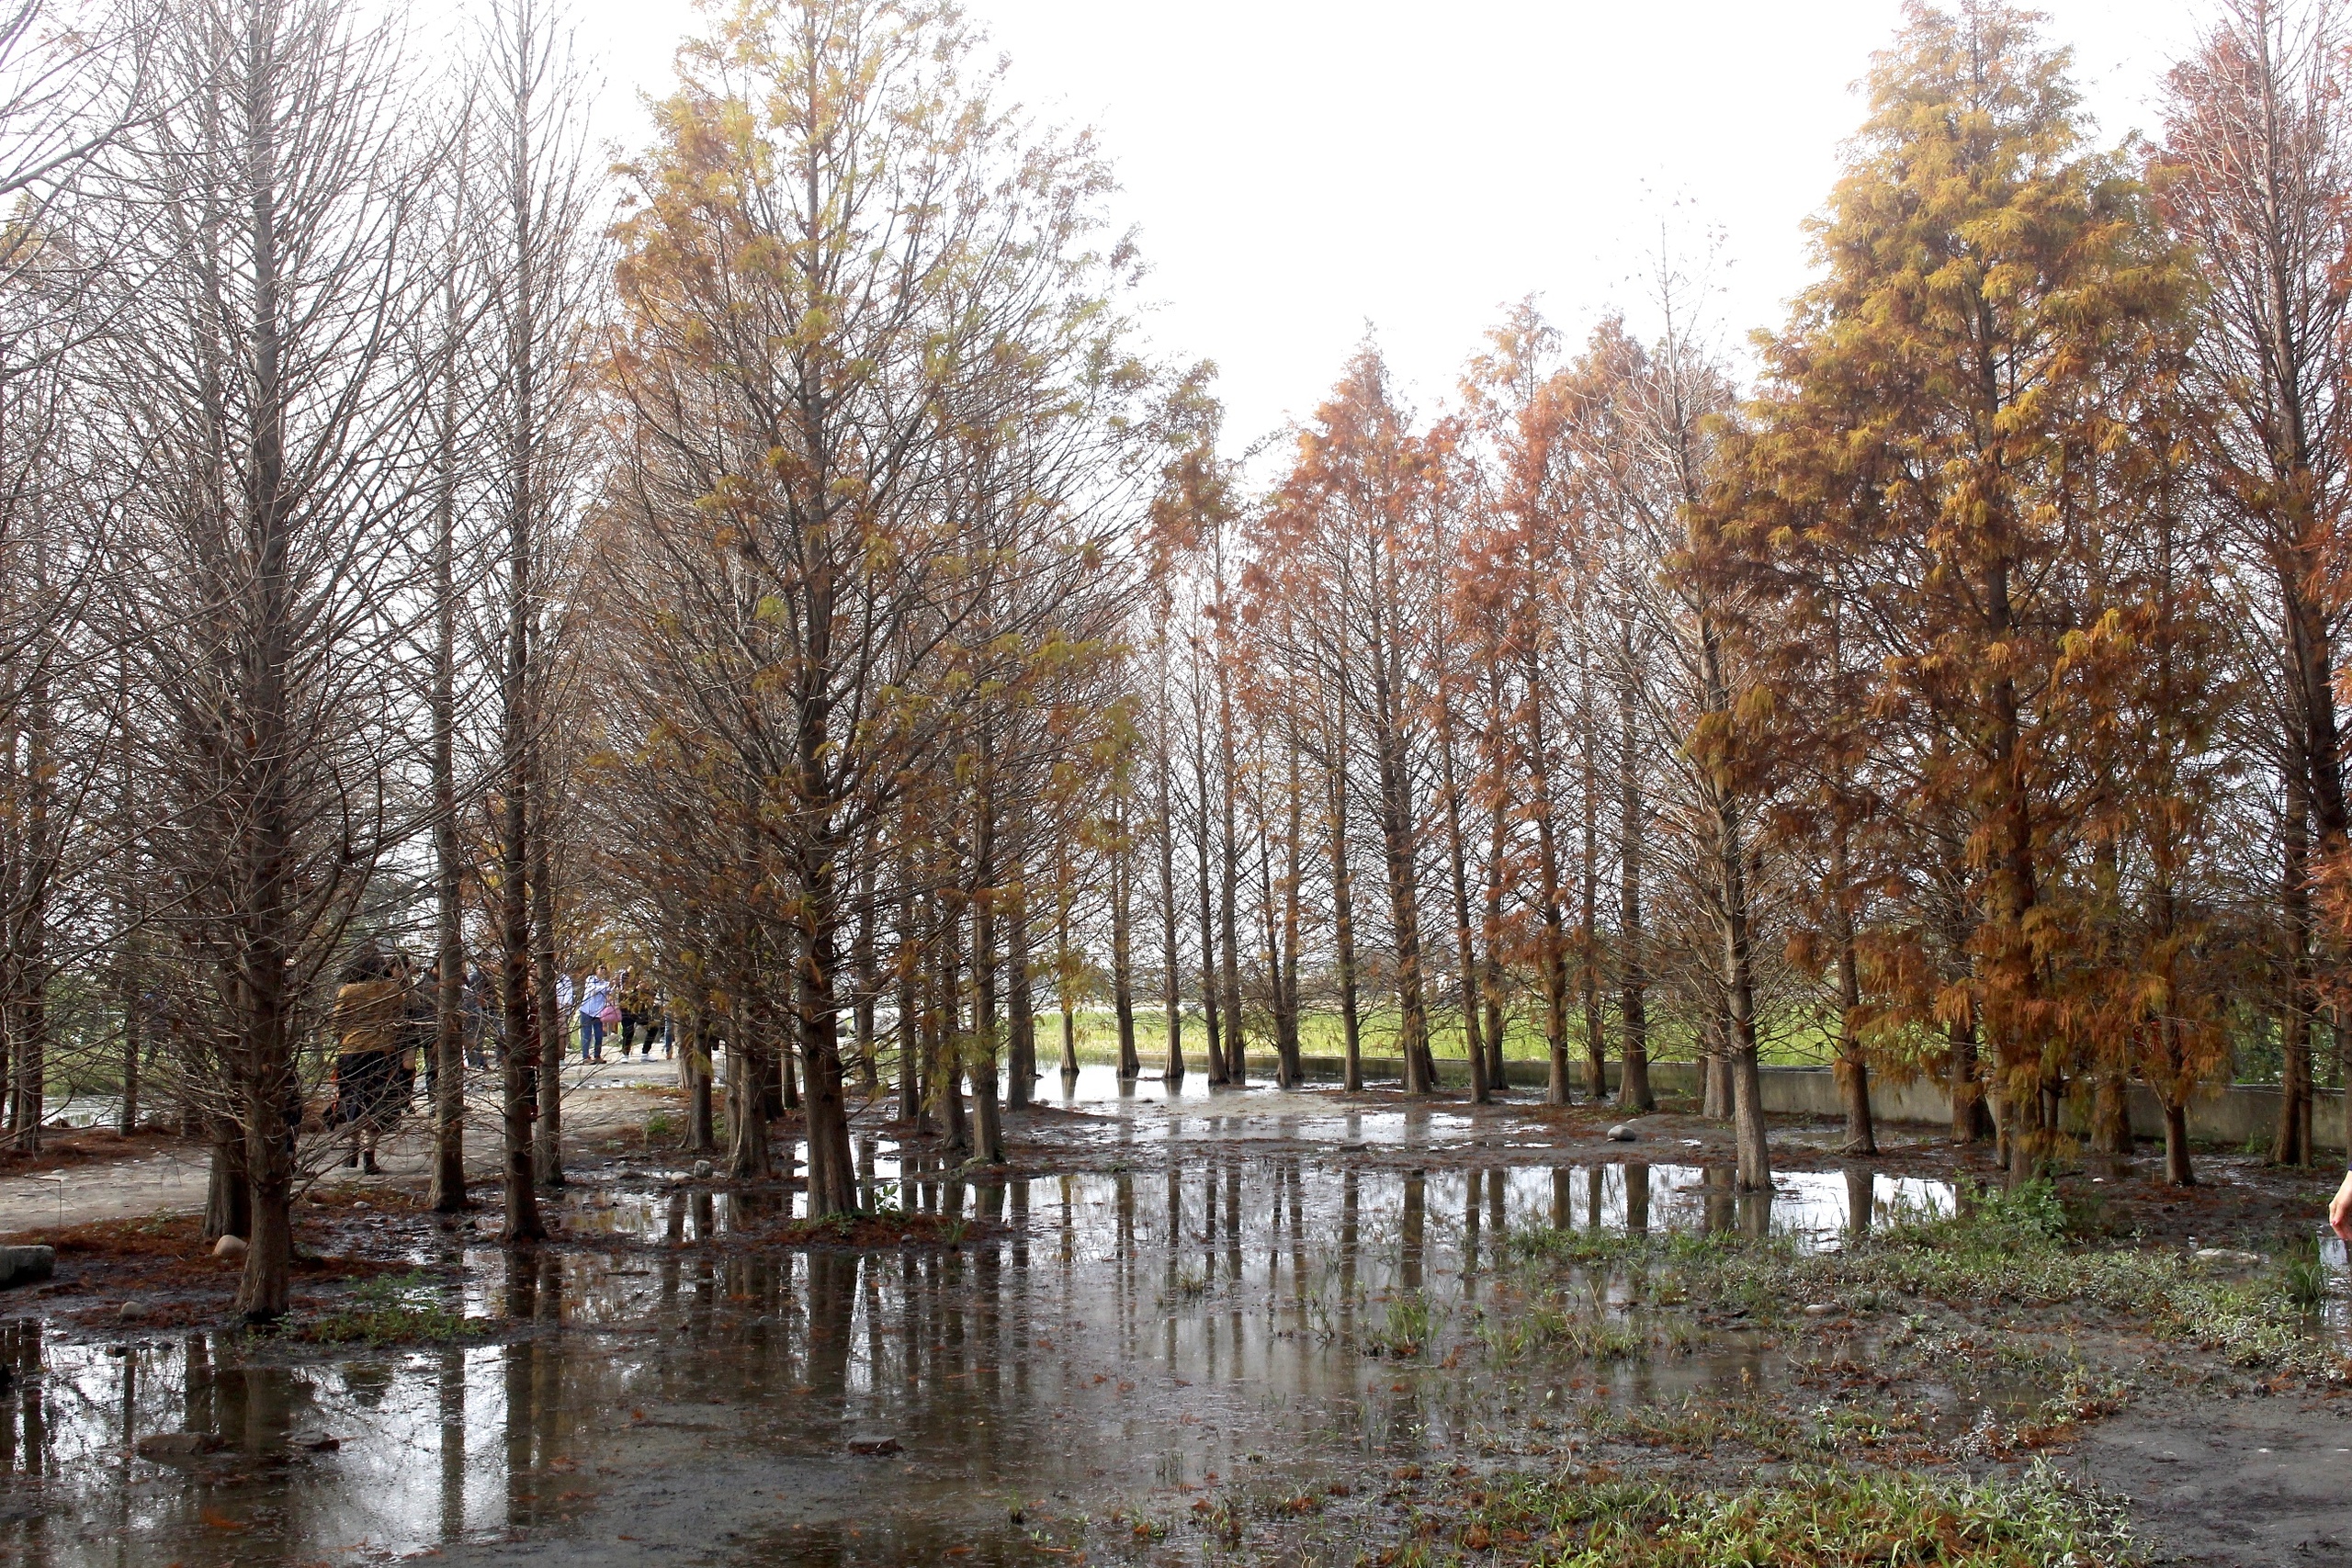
point(1320, 1034)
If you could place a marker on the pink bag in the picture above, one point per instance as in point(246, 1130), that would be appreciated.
point(611, 1013)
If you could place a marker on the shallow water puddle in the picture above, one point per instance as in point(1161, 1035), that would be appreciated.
point(1100, 1340)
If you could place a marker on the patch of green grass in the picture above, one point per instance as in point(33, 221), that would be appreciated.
point(1828, 1518)
point(1788, 1040)
point(2302, 1276)
point(2012, 1247)
point(393, 1309)
point(1543, 1324)
point(1412, 1322)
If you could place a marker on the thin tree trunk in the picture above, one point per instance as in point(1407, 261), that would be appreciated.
point(867, 964)
point(1490, 986)
point(1022, 1018)
point(1596, 1033)
point(1122, 976)
point(1236, 1064)
point(1172, 957)
point(1209, 1019)
point(446, 1192)
point(908, 963)
point(2291, 1139)
point(948, 1072)
point(1475, 1046)
point(547, 1147)
point(1632, 956)
point(1286, 1013)
point(1853, 1067)
point(1552, 948)
point(701, 1137)
point(1343, 922)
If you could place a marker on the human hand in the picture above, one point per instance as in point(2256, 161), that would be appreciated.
point(2339, 1210)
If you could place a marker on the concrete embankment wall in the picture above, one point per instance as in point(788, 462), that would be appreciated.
point(2234, 1115)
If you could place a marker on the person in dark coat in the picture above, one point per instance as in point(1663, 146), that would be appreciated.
point(370, 1034)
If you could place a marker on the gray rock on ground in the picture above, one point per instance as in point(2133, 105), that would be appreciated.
point(26, 1264)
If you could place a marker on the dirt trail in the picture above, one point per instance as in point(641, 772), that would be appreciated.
point(2230, 1481)
point(171, 1179)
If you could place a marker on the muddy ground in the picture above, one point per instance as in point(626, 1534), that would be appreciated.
point(1247, 1328)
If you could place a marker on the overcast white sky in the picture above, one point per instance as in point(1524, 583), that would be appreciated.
point(1297, 169)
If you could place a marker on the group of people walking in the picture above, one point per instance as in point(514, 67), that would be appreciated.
point(387, 1012)
point(622, 1004)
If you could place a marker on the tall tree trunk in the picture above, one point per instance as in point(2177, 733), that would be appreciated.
point(1343, 921)
point(1739, 964)
point(948, 1050)
point(908, 964)
point(831, 1172)
point(228, 1197)
point(1552, 958)
point(1853, 1067)
point(1236, 1062)
point(1399, 834)
point(701, 1136)
point(1172, 957)
point(1714, 1060)
point(547, 1147)
point(751, 1058)
point(865, 965)
point(1209, 1017)
point(1632, 955)
point(522, 1061)
point(2291, 1140)
point(1490, 984)
point(1457, 862)
point(1596, 1033)
point(1021, 1010)
point(1123, 968)
point(1969, 1113)
point(1286, 1007)
point(988, 1124)
point(446, 1192)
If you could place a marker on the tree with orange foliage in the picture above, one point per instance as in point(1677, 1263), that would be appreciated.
point(1986, 280)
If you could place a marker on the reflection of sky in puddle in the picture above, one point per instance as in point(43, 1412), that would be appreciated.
point(1122, 1334)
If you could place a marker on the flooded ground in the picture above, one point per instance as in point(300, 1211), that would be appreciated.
point(1229, 1332)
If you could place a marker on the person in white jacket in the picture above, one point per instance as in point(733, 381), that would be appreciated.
point(595, 992)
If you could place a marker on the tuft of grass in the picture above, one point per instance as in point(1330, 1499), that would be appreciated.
point(1412, 1323)
point(1545, 1326)
point(1828, 1518)
point(395, 1308)
point(2302, 1276)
